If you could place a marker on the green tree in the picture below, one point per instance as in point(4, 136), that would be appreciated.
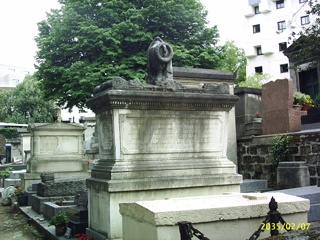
point(254, 81)
point(234, 60)
point(25, 103)
point(306, 41)
point(88, 42)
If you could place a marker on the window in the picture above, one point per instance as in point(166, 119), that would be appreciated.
point(259, 50)
point(256, 10)
point(283, 68)
point(305, 20)
point(302, 1)
point(256, 28)
point(258, 69)
point(282, 46)
point(280, 4)
point(282, 25)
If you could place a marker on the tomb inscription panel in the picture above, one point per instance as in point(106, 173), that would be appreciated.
point(105, 136)
point(58, 145)
point(167, 134)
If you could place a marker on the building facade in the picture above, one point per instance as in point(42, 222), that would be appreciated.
point(10, 76)
point(269, 24)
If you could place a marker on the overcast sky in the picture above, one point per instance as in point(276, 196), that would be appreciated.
point(19, 18)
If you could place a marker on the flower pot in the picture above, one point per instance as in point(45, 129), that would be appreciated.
point(257, 119)
point(22, 200)
point(61, 229)
point(305, 107)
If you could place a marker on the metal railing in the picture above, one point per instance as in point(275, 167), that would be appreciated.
point(187, 231)
point(271, 222)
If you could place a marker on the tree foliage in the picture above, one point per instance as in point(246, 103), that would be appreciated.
point(254, 81)
point(25, 103)
point(234, 60)
point(306, 41)
point(88, 42)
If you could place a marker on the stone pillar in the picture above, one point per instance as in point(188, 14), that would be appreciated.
point(156, 143)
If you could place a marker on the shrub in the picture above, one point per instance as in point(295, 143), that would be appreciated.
point(280, 149)
point(254, 81)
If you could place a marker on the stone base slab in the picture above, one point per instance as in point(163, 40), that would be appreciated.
point(104, 206)
point(219, 217)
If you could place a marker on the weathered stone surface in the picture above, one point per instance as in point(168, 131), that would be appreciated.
point(312, 170)
point(158, 219)
point(246, 108)
point(61, 188)
point(292, 174)
point(56, 147)
point(156, 143)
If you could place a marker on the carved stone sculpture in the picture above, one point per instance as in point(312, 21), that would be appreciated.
point(159, 64)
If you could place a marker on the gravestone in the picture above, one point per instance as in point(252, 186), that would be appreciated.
point(155, 142)
point(292, 175)
point(279, 115)
point(58, 148)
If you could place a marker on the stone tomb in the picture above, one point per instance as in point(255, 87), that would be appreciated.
point(55, 147)
point(223, 217)
point(156, 143)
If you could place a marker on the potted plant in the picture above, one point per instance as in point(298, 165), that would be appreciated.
point(21, 196)
point(5, 174)
point(298, 99)
point(60, 221)
point(258, 117)
point(302, 101)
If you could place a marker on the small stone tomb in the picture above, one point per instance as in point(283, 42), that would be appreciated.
point(219, 217)
point(52, 208)
point(292, 175)
point(57, 190)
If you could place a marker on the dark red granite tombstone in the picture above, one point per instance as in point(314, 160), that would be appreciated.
point(279, 115)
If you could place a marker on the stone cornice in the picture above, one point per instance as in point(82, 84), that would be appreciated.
point(128, 99)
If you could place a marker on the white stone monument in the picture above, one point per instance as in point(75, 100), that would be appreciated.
point(157, 142)
point(58, 148)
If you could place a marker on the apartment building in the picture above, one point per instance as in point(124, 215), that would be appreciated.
point(269, 24)
point(10, 76)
